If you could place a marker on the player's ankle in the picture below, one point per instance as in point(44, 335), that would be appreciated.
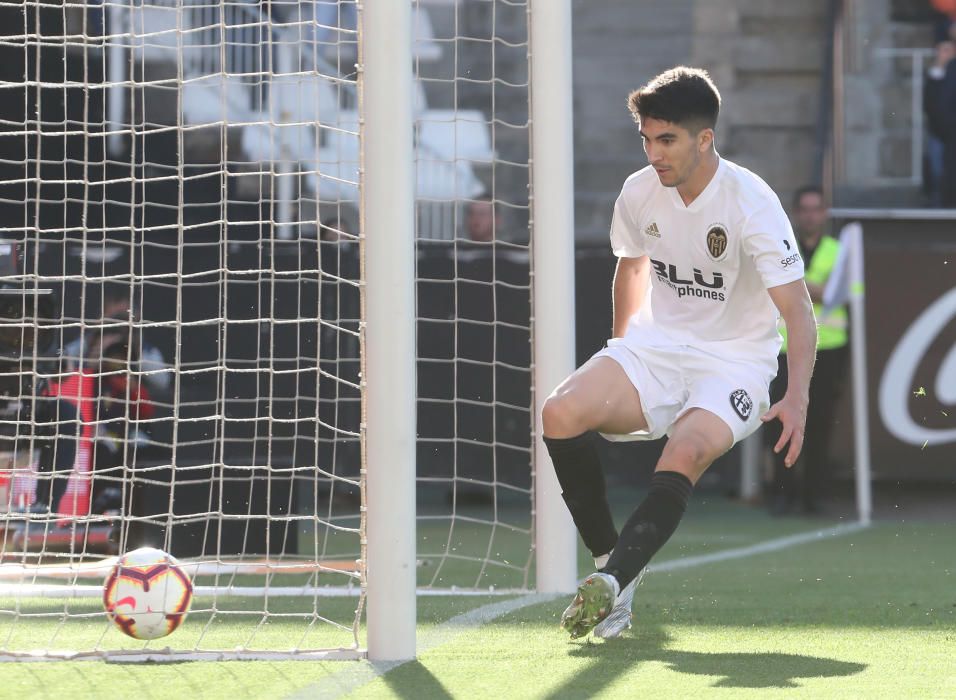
point(612, 580)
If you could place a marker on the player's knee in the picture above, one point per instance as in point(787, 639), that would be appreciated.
point(561, 416)
point(686, 457)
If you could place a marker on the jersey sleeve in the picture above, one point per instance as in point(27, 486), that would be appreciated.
point(768, 239)
point(627, 241)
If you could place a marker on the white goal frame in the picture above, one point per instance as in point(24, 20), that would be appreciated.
point(388, 220)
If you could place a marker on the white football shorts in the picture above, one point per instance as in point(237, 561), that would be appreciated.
point(673, 380)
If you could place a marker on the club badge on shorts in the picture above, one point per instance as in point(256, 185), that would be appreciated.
point(742, 403)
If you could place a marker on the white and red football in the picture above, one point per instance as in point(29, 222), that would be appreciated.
point(147, 594)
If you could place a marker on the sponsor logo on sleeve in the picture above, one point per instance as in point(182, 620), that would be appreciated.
point(790, 260)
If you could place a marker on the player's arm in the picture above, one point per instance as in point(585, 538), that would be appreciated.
point(630, 286)
point(816, 293)
point(793, 302)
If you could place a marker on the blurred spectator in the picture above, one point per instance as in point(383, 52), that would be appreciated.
point(117, 308)
point(122, 399)
point(946, 7)
point(75, 412)
point(946, 11)
point(58, 478)
point(68, 406)
point(936, 122)
point(482, 220)
point(819, 251)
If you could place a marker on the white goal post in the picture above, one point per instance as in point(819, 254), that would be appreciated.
point(388, 225)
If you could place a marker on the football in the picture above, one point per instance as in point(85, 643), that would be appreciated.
point(147, 594)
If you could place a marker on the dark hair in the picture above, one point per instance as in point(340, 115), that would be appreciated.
point(683, 96)
point(805, 190)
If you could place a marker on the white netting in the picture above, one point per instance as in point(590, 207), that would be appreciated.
point(179, 187)
point(179, 180)
point(474, 349)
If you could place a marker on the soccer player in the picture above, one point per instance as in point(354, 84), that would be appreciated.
point(707, 264)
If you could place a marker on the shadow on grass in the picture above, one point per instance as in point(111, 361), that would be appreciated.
point(412, 680)
point(758, 670)
point(613, 658)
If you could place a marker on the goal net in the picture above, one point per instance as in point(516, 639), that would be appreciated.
point(180, 286)
point(473, 295)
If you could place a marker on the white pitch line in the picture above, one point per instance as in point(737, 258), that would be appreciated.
point(774, 545)
point(349, 679)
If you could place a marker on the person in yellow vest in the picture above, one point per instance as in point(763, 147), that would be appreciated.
point(802, 487)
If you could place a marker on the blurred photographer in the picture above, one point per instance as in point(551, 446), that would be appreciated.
point(122, 398)
point(46, 427)
point(117, 315)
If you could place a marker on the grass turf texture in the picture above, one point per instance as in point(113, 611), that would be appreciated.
point(872, 614)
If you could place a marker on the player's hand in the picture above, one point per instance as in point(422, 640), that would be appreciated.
point(791, 411)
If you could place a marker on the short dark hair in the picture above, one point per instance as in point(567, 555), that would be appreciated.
point(683, 96)
point(805, 190)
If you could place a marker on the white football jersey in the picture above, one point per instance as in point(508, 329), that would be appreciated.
point(712, 263)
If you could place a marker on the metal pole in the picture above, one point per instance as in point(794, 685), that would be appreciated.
point(861, 432)
point(916, 107)
point(116, 67)
point(917, 59)
point(750, 466)
point(552, 175)
point(284, 177)
point(388, 377)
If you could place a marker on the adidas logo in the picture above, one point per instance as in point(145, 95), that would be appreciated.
point(652, 230)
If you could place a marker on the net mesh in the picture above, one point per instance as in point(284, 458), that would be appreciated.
point(183, 229)
point(181, 298)
point(474, 419)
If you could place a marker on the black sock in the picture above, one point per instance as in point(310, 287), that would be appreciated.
point(578, 466)
point(650, 526)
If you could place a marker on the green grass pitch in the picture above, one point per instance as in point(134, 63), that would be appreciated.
point(866, 615)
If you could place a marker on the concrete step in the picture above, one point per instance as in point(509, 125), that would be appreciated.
point(633, 17)
point(779, 108)
point(782, 10)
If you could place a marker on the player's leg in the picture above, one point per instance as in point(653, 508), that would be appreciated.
point(697, 439)
point(724, 406)
point(597, 397)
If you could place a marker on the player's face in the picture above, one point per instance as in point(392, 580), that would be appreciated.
point(672, 150)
